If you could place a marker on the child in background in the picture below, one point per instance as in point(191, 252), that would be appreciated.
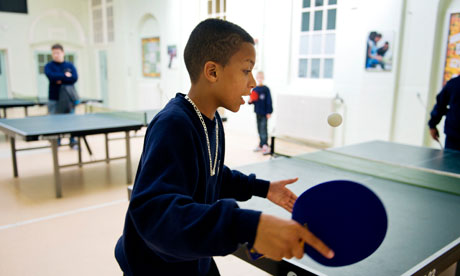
point(262, 100)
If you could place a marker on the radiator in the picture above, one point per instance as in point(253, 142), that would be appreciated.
point(304, 118)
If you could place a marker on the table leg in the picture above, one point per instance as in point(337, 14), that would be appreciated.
point(13, 155)
point(107, 157)
point(128, 158)
point(57, 180)
point(79, 151)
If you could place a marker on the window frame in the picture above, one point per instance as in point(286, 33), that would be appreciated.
point(297, 33)
point(103, 6)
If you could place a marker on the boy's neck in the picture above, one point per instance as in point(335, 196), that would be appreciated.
point(203, 101)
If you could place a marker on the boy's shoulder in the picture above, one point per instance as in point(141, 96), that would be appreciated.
point(175, 112)
point(262, 88)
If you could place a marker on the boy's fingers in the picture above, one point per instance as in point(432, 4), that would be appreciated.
point(290, 181)
point(317, 244)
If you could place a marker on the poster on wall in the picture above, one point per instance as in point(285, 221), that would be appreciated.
point(151, 57)
point(452, 64)
point(379, 51)
point(172, 53)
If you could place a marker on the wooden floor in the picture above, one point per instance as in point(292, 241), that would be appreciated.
point(76, 234)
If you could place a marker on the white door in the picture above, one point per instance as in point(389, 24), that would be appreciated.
point(3, 78)
point(103, 77)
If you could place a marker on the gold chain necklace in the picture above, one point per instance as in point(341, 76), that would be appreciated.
point(211, 167)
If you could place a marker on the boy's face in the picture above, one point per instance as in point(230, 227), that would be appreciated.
point(58, 55)
point(235, 80)
point(260, 78)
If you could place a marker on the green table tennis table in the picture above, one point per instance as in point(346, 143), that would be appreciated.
point(53, 127)
point(419, 187)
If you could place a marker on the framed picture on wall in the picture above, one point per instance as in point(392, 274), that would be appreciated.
point(379, 51)
point(172, 53)
point(452, 64)
point(151, 57)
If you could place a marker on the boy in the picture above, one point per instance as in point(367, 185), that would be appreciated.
point(448, 104)
point(183, 208)
point(263, 109)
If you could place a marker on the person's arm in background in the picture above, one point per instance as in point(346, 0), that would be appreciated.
point(439, 109)
point(71, 75)
point(53, 74)
point(269, 104)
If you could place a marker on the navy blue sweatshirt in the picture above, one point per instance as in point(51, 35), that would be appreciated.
point(263, 105)
point(55, 71)
point(179, 215)
point(448, 103)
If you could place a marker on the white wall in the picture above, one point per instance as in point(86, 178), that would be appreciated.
point(379, 105)
point(22, 34)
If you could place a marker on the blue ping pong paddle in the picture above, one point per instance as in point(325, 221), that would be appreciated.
point(347, 216)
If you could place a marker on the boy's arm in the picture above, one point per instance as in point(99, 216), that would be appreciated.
point(73, 78)
point(240, 186)
point(269, 102)
point(440, 108)
point(53, 76)
point(163, 210)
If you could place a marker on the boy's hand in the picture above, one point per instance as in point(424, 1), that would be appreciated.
point(434, 133)
point(268, 116)
point(279, 238)
point(282, 196)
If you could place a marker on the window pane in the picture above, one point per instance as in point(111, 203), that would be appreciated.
point(315, 68)
point(332, 2)
point(209, 6)
point(305, 21)
point(41, 69)
point(225, 6)
point(329, 44)
point(41, 59)
point(303, 68)
point(331, 15)
point(318, 3)
point(318, 20)
point(328, 68)
point(96, 2)
point(217, 6)
point(303, 48)
point(316, 44)
point(306, 4)
point(49, 58)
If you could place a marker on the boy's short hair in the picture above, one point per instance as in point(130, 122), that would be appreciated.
point(213, 40)
point(57, 46)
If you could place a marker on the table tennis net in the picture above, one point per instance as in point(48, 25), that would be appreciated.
point(416, 176)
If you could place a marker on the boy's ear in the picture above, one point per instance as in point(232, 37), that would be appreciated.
point(210, 71)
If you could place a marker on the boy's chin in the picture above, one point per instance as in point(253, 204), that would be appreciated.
point(235, 108)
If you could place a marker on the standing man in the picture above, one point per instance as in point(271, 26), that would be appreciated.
point(59, 73)
point(262, 100)
point(447, 103)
